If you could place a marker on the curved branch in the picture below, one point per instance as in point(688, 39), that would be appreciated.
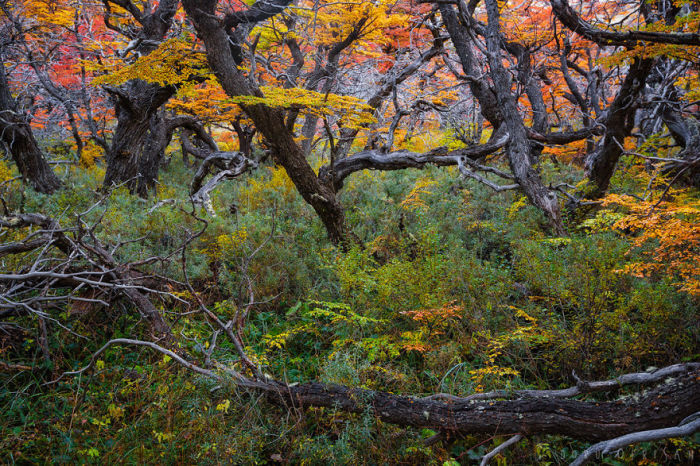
point(574, 22)
point(607, 446)
point(637, 378)
point(236, 164)
point(493, 453)
point(565, 137)
point(150, 344)
point(260, 11)
point(377, 160)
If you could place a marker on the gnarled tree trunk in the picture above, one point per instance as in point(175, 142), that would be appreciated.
point(664, 406)
point(135, 154)
point(518, 149)
point(17, 136)
point(600, 165)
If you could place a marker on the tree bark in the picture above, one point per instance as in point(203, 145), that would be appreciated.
point(245, 134)
point(674, 401)
point(132, 158)
point(479, 88)
point(570, 18)
point(499, 107)
point(17, 136)
point(600, 164)
point(664, 406)
point(400, 160)
point(518, 148)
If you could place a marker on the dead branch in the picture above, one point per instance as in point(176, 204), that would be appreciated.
point(581, 387)
point(668, 404)
point(605, 447)
point(571, 19)
point(496, 451)
point(235, 164)
point(84, 263)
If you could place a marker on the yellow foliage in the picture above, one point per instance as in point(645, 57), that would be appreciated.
point(516, 206)
point(256, 193)
point(224, 406)
point(330, 20)
point(225, 245)
point(528, 334)
point(413, 200)
point(353, 112)
point(173, 62)
point(207, 101)
point(228, 244)
point(49, 12)
point(5, 171)
point(91, 151)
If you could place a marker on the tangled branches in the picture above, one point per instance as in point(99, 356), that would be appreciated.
point(72, 265)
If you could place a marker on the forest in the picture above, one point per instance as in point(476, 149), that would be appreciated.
point(442, 232)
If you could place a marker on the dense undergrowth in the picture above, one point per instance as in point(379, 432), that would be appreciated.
point(455, 289)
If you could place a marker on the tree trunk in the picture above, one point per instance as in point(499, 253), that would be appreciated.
point(518, 149)
point(153, 154)
point(134, 156)
point(245, 134)
point(664, 406)
point(132, 159)
point(479, 88)
point(17, 136)
point(600, 165)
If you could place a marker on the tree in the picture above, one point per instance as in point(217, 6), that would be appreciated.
point(504, 94)
point(620, 120)
point(140, 136)
point(268, 121)
point(18, 138)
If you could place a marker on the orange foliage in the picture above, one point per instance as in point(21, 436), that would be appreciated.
point(668, 234)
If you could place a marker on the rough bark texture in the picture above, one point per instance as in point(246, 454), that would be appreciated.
point(673, 401)
point(518, 148)
point(132, 159)
point(378, 160)
point(600, 165)
point(664, 406)
point(245, 134)
point(135, 153)
point(478, 87)
point(17, 137)
point(499, 107)
point(570, 18)
point(268, 121)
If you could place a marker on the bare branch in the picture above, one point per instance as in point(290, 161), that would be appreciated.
point(376, 160)
point(637, 378)
point(608, 446)
point(571, 19)
point(496, 451)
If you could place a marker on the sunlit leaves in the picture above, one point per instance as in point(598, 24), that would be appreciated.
point(173, 62)
point(352, 111)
